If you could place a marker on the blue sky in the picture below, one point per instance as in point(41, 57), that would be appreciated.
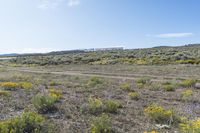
point(46, 25)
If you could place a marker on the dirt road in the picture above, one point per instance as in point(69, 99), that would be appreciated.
point(97, 74)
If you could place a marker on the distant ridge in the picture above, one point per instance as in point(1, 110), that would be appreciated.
point(9, 55)
point(93, 49)
point(162, 46)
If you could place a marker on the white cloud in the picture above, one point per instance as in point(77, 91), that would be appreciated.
point(73, 2)
point(52, 4)
point(173, 35)
point(49, 4)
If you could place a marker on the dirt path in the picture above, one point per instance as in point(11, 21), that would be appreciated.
point(7, 58)
point(73, 73)
point(97, 74)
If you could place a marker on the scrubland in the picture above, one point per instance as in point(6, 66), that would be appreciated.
point(96, 98)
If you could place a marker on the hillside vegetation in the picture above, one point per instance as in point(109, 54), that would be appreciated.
point(189, 54)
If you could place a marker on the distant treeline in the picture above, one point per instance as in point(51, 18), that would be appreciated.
point(188, 54)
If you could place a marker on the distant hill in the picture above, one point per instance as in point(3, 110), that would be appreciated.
point(161, 55)
point(9, 55)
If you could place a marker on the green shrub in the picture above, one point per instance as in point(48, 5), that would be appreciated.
point(142, 82)
point(155, 86)
point(53, 83)
point(140, 85)
point(134, 95)
point(166, 83)
point(29, 122)
point(95, 105)
point(94, 81)
point(126, 86)
point(187, 61)
point(44, 103)
point(101, 124)
point(188, 83)
point(111, 106)
point(168, 86)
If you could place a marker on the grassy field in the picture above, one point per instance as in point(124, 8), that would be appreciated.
point(82, 98)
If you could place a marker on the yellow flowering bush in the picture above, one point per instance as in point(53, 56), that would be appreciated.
point(10, 85)
point(160, 115)
point(151, 132)
point(16, 85)
point(192, 126)
point(57, 94)
point(26, 85)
